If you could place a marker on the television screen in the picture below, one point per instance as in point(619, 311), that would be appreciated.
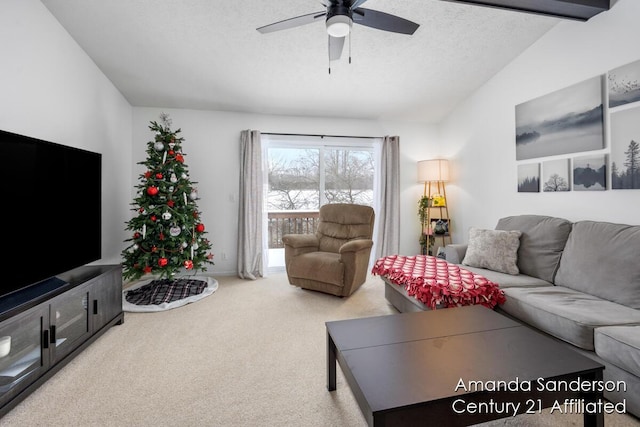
point(51, 209)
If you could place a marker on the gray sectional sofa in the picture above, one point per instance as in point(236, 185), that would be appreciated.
point(578, 282)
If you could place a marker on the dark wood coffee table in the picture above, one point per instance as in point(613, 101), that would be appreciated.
point(457, 366)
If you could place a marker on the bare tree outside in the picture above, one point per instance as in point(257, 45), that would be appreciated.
point(349, 176)
point(294, 177)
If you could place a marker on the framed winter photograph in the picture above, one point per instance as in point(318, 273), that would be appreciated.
point(555, 175)
point(624, 84)
point(590, 173)
point(529, 178)
point(567, 121)
point(625, 149)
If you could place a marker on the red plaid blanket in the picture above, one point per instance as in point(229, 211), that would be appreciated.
point(437, 282)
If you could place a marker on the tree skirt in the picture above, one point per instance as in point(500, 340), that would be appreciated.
point(165, 294)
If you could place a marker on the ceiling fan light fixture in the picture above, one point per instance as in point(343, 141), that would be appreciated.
point(339, 25)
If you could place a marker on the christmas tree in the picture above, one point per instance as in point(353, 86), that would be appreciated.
point(167, 232)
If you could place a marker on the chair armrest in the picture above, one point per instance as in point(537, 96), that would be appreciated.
point(356, 245)
point(300, 240)
point(454, 253)
point(298, 244)
point(355, 256)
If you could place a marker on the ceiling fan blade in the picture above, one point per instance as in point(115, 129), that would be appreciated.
point(335, 47)
point(383, 21)
point(356, 3)
point(292, 22)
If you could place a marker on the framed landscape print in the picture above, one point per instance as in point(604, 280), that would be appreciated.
point(529, 178)
point(590, 173)
point(569, 120)
point(625, 149)
point(624, 84)
point(555, 175)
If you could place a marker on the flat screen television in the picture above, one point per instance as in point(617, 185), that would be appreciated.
point(51, 204)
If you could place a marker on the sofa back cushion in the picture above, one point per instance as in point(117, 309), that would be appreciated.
point(601, 259)
point(541, 243)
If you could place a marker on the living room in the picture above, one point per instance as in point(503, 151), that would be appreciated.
point(51, 89)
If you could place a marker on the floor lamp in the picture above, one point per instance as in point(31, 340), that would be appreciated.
point(434, 174)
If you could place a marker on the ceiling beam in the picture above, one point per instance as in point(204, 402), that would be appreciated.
point(580, 10)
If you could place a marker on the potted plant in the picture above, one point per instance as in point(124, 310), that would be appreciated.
point(426, 239)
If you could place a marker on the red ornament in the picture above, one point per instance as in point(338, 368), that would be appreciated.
point(141, 210)
point(136, 235)
point(179, 158)
point(188, 264)
point(158, 175)
point(154, 249)
point(147, 174)
point(153, 218)
point(170, 203)
point(152, 191)
point(161, 236)
point(162, 262)
point(200, 228)
point(147, 269)
point(171, 152)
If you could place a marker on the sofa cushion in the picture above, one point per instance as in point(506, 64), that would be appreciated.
point(566, 313)
point(601, 259)
point(505, 280)
point(495, 250)
point(541, 244)
point(620, 346)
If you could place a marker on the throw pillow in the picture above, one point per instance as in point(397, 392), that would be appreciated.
point(495, 250)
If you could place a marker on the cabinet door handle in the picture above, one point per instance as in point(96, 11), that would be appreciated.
point(95, 306)
point(45, 338)
point(52, 339)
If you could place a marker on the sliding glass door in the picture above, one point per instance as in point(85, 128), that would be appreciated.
point(305, 173)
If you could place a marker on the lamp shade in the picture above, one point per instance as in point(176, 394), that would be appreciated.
point(433, 170)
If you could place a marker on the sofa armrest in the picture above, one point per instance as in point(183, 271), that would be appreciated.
point(454, 253)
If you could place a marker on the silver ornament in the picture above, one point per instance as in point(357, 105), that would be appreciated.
point(159, 146)
point(166, 216)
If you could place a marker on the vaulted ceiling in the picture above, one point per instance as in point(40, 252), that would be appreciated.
point(207, 54)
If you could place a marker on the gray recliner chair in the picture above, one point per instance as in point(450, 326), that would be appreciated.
point(335, 260)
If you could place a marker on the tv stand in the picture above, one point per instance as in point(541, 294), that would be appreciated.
point(45, 326)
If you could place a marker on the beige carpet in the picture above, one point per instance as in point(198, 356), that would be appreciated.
point(251, 354)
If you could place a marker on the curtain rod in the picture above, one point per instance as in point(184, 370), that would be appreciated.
point(320, 136)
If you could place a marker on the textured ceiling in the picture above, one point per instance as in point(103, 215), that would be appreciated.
point(207, 54)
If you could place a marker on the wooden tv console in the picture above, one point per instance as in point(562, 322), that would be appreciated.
point(45, 326)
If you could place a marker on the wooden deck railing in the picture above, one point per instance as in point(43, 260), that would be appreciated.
point(290, 222)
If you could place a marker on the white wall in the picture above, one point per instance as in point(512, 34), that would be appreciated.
point(212, 147)
point(479, 135)
point(51, 90)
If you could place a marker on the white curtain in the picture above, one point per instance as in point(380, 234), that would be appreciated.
point(251, 250)
point(388, 216)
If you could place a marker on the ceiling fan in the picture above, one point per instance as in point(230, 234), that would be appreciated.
point(339, 18)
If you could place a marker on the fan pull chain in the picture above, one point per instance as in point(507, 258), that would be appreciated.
point(329, 53)
point(350, 46)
